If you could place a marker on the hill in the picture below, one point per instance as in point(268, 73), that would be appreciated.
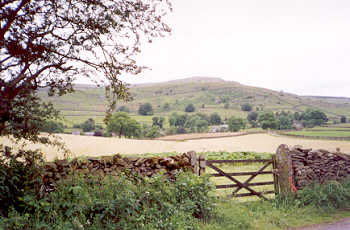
point(207, 94)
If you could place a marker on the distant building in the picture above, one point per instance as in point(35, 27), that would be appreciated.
point(298, 125)
point(89, 133)
point(219, 128)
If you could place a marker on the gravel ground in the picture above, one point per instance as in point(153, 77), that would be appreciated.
point(341, 225)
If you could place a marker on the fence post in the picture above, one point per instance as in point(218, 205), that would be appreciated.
point(275, 175)
point(193, 156)
point(202, 165)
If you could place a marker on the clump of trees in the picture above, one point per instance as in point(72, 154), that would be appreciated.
point(246, 107)
point(284, 120)
point(158, 121)
point(146, 109)
point(123, 125)
point(190, 108)
point(184, 123)
point(52, 127)
point(342, 119)
point(235, 124)
point(123, 108)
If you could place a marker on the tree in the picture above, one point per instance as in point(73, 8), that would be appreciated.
point(158, 121)
point(313, 117)
point(342, 119)
point(145, 109)
point(166, 107)
point(190, 108)
point(88, 125)
point(246, 107)
point(235, 124)
point(50, 43)
point(121, 124)
point(151, 131)
point(252, 116)
point(285, 121)
point(267, 120)
point(215, 119)
point(123, 108)
point(52, 127)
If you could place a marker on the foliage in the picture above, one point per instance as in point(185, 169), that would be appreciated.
point(342, 119)
point(223, 155)
point(145, 109)
point(313, 117)
point(123, 125)
point(19, 176)
point(88, 125)
point(166, 107)
point(252, 116)
point(268, 120)
point(190, 108)
point(151, 131)
point(123, 203)
point(235, 124)
point(246, 107)
point(24, 115)
point(48, 44)
point(327, 196)
point(158, 121)
point(285, 120)
point(184, 123)
point(215, 119)
point(52, 127)
point(123, 108)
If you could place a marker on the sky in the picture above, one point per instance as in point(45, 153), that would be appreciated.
point(298, 46)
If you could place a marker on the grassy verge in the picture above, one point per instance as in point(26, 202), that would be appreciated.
point(268, 215)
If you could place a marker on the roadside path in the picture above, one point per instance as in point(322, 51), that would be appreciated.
point(342, 225)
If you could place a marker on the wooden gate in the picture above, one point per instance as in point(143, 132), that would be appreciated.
point(237, 185)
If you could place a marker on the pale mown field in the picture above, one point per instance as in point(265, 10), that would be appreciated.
point(97, 146)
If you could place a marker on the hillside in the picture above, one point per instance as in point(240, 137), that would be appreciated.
point(207, 94)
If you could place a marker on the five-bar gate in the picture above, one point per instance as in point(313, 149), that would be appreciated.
point(237, 184)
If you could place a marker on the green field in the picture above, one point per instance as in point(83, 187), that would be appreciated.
point(326, 133)
point(208, 95)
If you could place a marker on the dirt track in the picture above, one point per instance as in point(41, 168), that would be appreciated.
point(94, 146)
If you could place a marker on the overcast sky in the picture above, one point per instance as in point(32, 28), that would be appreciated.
point(298, 46)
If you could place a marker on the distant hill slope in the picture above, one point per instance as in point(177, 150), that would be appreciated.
point(207, 94)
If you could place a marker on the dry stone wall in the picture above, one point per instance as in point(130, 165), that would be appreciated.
point(114, 165)
point(318, 166)
point(299, 167)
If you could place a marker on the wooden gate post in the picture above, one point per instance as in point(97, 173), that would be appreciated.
point(202, 165)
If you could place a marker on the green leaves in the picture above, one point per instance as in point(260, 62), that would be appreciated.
point(119, 203)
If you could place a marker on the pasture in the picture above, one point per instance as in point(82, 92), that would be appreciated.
point(99, 146)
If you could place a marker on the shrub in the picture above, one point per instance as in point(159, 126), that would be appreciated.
point(19, 176)
point(145, 109)
point(190, 108)
point(88, 125)
point(246, 107)
point(123, 108)
point(331, 195)
point(235, 124)
point(122, 203)
point(215, 119)
point(52, 127)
